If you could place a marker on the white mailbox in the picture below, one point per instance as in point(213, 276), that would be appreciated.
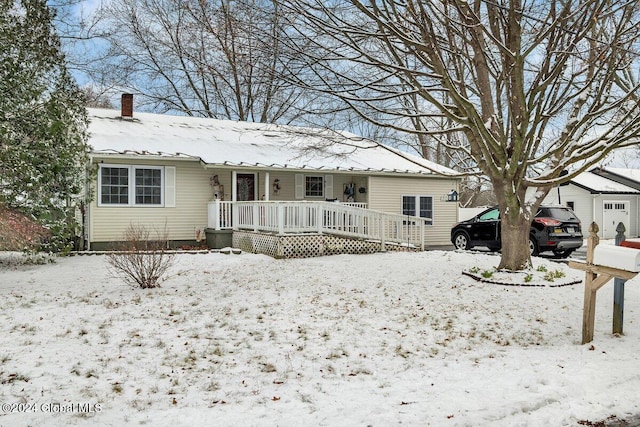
point(617, 257)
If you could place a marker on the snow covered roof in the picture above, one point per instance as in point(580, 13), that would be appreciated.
point(245, 144)
point(632, 174)
point(624, 176)
point(599, 184)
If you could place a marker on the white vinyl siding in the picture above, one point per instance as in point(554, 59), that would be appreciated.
point(384, 193)
point(191, 193)
point(169, 187)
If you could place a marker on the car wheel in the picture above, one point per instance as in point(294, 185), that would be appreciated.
point(563, 254)
point(533, 247)
point(461, 241)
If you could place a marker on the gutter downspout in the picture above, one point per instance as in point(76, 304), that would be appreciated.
point(86, 226)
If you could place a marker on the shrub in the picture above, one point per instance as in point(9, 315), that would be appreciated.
point(19, 232)
point(141, 260)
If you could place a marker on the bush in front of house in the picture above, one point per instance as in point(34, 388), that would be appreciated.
point(140, 259)
point(18, 232)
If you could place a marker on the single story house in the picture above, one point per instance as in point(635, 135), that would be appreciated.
point(191, 175)
point(595, 196)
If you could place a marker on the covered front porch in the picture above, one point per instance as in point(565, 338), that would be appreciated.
point(314, 227)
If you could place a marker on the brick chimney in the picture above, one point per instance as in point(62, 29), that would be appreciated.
point(126, 105)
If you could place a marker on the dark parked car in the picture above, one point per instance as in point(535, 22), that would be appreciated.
point(554, 228)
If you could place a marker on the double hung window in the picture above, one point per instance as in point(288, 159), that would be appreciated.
point(421, 206)
point(122, 185)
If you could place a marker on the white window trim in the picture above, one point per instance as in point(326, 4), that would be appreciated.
point(417, 197)
point(322, 185)
point(132, 186)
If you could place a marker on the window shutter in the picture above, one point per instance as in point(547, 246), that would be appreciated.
point(169, 187)
point(299, 191)
point(328, 186)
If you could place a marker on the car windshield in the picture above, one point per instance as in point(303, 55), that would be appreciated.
point(558, 213)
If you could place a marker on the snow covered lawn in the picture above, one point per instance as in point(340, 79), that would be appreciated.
point(384, 339)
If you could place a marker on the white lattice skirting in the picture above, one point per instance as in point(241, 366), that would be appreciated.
point(307, 245)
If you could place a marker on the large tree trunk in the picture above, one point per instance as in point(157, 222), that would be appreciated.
point(515, 241)
point(515, 222)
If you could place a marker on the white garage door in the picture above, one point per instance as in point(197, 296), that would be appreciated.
point(615, 212)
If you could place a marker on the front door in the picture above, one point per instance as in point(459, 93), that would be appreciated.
point(246, 187)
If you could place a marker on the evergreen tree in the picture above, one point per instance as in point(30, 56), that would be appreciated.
point(43, 139)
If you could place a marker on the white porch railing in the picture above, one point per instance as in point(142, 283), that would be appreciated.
point(219, 215)
point(319, 217)
point(355, 204)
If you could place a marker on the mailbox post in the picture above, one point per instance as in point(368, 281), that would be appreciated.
point(618, 289)
point(604, 263)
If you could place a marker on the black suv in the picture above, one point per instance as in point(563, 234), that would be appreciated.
point(554, 228)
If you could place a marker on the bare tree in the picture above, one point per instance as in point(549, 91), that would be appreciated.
point(94, 99)
point(219, 58)
point(624, 158)
point(529, 88)
point(476, 191)
point(140, 259)
point(75, 22)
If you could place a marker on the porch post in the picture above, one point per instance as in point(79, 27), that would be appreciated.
point(266, 186)
point(234, 199)
point(213, 215)
point(255, 211)
point(234, 186)
point(216, 214)
point(319, 216)
point(618, 288)
point(381, 231)
point(280, 212)
point(422, 234)
point(589, 309)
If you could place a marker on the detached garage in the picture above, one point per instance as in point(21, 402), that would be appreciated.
point(598, 198)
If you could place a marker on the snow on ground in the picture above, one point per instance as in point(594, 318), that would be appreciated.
point(383, 339)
